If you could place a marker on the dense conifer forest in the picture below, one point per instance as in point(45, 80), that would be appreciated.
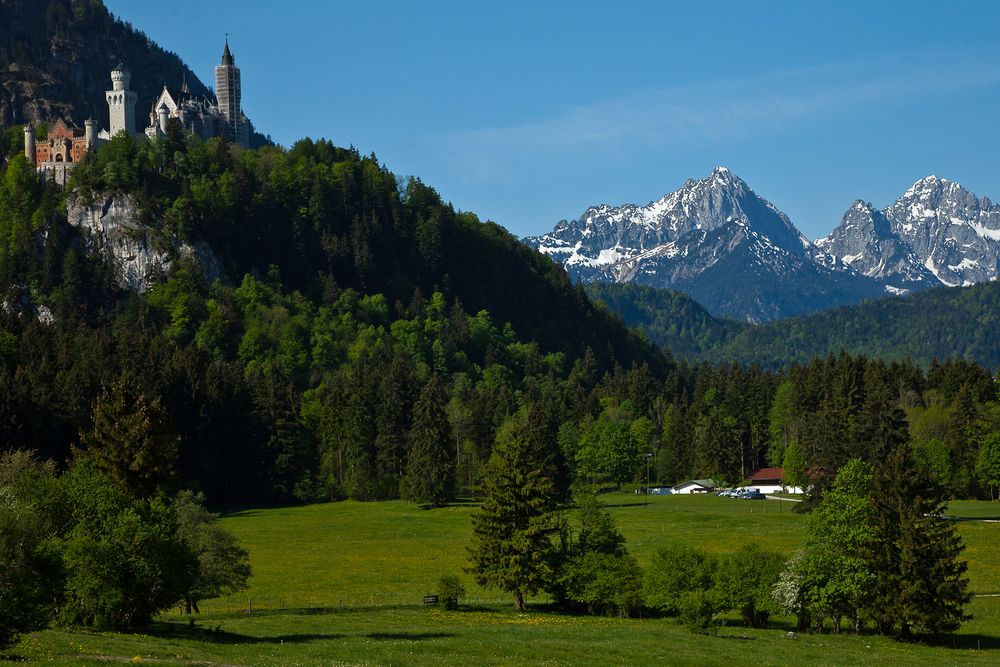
point(350, 301)
point(940, 323)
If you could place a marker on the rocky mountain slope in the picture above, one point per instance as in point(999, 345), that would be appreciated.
point(715, 239)
point(56, 55)
point(937, 233)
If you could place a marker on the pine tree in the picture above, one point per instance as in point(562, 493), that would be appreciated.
point(988, 463)
point(512, 549)
point(132, 440)
point(920, 582)
point(430, 470)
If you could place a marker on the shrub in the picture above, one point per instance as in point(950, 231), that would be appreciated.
point(744, 582)
point(675, 571)
point(697, 612)
point(604, 583)
point(450, 589)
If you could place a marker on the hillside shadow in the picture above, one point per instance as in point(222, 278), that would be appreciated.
point(963, 642)
point(217, 635)
point(635, 504)
point(408, 636)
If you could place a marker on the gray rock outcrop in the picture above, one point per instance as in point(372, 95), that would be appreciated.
point(110, 224)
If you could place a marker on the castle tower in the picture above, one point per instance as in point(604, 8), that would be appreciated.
point(90, 133)
point(227, 90)
point(163, 116)
point(121, 102)
point(29, 144)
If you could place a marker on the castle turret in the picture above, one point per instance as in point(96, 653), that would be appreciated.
point(90, 133)
point(29, 144)
point(121, 102)
point(163, 115)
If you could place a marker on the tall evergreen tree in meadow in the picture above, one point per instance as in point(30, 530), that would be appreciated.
point(921, 583)
point(430, 470)
point(512, 548)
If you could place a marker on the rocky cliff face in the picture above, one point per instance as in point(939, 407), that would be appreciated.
point(110, 224)
point(865, 241)
point(937, 233)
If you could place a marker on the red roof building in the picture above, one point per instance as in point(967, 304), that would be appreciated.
point(770, 480)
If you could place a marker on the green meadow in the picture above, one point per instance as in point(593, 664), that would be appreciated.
point(343, 583)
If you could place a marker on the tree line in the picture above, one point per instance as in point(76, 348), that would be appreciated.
point(878, 552)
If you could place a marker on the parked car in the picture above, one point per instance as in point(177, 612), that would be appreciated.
point(753, 494)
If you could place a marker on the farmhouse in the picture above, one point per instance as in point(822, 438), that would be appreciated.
point(770, 480)
point(695, 486)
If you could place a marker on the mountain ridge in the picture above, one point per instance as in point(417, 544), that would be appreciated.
point(936, 323)
point(716, 239)
point(739, 256)
point(938, 233)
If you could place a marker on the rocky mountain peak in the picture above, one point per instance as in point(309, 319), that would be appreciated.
point(713, 237)
point(936, 233)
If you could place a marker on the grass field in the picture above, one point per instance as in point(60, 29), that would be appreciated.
point(342, 584)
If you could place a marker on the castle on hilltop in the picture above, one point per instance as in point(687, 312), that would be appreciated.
point(65, 145)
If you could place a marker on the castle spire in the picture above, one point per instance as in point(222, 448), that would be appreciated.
point(227, 56)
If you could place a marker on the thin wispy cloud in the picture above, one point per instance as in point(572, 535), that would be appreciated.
point(713, 113)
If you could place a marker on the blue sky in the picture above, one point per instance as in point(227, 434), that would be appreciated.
point(528, 112)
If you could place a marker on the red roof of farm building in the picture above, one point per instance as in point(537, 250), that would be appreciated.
point(766, 475)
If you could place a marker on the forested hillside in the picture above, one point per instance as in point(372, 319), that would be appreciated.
point(297, 375)
point(667, 317)
point(56, 56)
point(942, 323)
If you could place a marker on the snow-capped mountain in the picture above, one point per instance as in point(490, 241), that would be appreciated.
point(937, 233)
point(715, 239)
point(864, 240)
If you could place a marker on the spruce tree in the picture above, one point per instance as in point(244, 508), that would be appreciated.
point(512, 549)
point(430, 470)
point(921, 584)
point(132, 440)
